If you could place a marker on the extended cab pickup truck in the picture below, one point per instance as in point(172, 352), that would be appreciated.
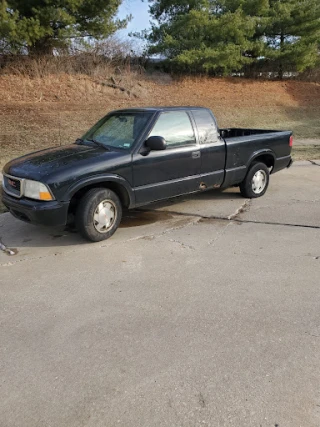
point(137, 156)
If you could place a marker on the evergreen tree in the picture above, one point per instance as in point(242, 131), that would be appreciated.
point(292, 34)
point(202, 36)
point(40, 26)
point(222, 36)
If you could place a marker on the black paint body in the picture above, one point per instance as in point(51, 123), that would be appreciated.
point(140, 176)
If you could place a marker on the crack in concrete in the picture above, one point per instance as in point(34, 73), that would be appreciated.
point(194, 219)
point(147, 237)
point(183, 245)
point(168, 230)
point(312, 335)
point(313, 163)
point(240, 210)
point(10, 263)
point(244, 221)
point(214, 241)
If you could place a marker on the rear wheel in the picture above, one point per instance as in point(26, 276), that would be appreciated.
point(256, 182)
point(98, 214)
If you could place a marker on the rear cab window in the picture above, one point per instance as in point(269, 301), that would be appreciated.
point(176, 128)
point(206, 125)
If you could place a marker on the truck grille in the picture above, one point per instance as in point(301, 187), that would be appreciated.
point(12, 185)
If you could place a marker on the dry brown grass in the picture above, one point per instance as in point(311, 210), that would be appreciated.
point(40, 106)
point(306, 152)
point(45, 111)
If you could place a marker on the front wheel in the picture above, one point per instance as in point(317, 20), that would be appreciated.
point(256, 182)
point(98, 214)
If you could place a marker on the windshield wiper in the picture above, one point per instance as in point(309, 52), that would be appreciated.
point(100, 144)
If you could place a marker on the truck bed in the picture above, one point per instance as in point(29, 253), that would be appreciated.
point(242, 145)
point(236, 132)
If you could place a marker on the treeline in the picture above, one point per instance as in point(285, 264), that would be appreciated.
point(222, 37)
point(216, 37)
point(39, 27)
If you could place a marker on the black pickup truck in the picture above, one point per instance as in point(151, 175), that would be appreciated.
point(137, 156)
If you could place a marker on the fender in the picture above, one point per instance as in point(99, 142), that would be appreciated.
point(102, 178)
point(260, 153)
point(237, 174)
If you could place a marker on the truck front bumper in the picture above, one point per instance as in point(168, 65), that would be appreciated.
point(37, 212)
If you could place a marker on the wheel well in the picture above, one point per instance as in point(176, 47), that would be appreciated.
point(120, 191)
point(267, 159)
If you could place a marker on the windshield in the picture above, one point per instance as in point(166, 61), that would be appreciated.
point(118, 130)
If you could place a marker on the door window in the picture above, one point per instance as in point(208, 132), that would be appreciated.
point(175, 127)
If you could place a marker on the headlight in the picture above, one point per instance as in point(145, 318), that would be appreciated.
point(36, 190)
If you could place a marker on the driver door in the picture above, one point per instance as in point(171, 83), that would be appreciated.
point(173, 171)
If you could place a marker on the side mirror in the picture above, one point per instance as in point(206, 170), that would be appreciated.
point(156, 143)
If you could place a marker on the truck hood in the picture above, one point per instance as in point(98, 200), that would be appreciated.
point(66, 160)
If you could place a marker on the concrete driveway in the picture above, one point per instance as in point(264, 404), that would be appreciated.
point(203, 311)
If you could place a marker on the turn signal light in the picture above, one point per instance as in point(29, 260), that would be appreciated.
point(45, 195)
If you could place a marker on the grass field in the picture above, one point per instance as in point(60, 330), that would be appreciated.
point(306, 152)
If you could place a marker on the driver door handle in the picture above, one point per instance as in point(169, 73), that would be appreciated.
point(196, 154)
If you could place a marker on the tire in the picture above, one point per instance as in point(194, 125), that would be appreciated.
point(256, 182)
point(98, 214)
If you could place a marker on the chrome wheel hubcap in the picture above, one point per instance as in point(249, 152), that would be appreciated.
point(104, 216)
point(259, 181)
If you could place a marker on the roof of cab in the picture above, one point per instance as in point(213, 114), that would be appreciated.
point(154, 109)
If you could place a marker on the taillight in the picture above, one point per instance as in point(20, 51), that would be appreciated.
point(291, 141)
